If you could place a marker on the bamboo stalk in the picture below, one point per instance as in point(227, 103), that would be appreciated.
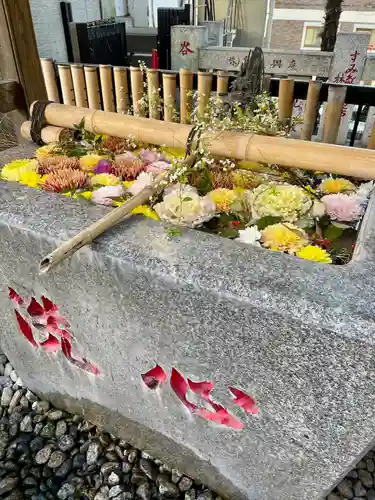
point(106, 83)
point(169, 96)
point(204, 91)
point(335, 105)
point(186, 95)
point(222, 82)
point(66, 85)
point(86, 236)
point(79, 85)
point(290, 153)
point(121, 89)
point(136, 80)
point(311, 109)
point(286, 90)
point(92, 85)
point(49, 75)
point(153, 93)
point(50, 134)
point(371, 141)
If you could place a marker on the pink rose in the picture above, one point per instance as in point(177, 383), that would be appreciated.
point(342, 207)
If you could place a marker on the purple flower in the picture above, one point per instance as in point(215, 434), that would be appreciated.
point(103, 167)
point(149, 156)
point(157, 166)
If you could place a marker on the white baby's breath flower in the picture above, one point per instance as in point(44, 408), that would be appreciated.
point(365, 190)
point(250, 236)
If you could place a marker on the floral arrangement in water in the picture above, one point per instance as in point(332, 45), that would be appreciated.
point(313, 216)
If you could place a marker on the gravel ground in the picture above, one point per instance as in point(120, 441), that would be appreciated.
point(47, 453)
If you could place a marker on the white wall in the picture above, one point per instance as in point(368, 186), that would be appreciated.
point(48, 24)
point(161, 3)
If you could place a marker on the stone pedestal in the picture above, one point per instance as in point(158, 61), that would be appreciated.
point(185, 45)
point(296, 335)
point(215, 32)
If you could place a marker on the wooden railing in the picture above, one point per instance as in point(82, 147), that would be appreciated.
point(130, 90)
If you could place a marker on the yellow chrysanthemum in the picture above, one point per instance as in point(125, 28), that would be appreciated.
point(13, 171)
point(89, 162)
point(223, 199)
point(127, 184)
point(31, 179)
point(317, 254)
point(104, 180)
point(87, 195)
point(146, 211)
point(333, 186)
point(246, 179)
point(284, 237)
point(45, 151)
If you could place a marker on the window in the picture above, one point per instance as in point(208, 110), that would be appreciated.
point(311, 36)
point(367, 29)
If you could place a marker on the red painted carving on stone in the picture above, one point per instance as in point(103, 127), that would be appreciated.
point(155, 377)
point(185, 48)
point(348, 76)
point(49, 324)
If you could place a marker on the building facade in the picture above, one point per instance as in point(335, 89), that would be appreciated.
point(297, 24)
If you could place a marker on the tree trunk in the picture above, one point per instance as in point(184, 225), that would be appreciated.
point(331, 24)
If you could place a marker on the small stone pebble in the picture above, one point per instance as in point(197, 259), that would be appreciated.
point(13, 375)
point(26, 424)
point(113, 479)
point(93, 452)
point(55, 414)
point(167, 488)
point(359, 490)
point(8, 484)
point(206, 495)
point(6, 396)
point(43, 455)
point(56, 459)
point(61, 429)
point(41, 407)
point(48, 431)
point(345, 488)
point(115, 490)
point(8, 369)
point(190, 495)
point(149, 468)
point(185, 484)
point(66, 442)
point(366, 478)
point(144, 491)
point(65, 491)
point(370, 495)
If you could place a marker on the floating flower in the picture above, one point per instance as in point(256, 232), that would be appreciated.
point(280, 200)
point(187, 209)
point(246, 179)
point(115, 144)
point(342, 207)
point(128, 169)
point(146, 211)
point(13, 171)
point(45, 151)
point(157, 166)
point(223, 199)
point(311, 252)
point(318, 209)
point(284, 237)
point(104, 195)
point(31, 179)
point(144, 179)
point(65, 179)
point(52, 164)
point(89, 162)
point(331, 186)
point(250, 236)
point(148, 156)
point(104, 180)
point(103, 167)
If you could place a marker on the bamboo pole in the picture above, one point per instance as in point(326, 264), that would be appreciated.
point(50, 134)
point(136, 80)
point(86, 236)
point(66, 85)
point(222, 82)
point(79, 85)
point(186, 95)
point(311, 109)
point(92, 86)
point(169, 96)
point(371, 141)
point(121, 89)
point(290, 153)
point(153, 93)
point(286, 90)
point(106, 83)
point(49, 75)
point(335, 105)
point(204, 92)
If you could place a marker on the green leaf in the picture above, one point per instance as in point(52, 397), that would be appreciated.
point(173, 231)
point(333, 232)
point(187, 198)
point(268, 220)
point(341, 225)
